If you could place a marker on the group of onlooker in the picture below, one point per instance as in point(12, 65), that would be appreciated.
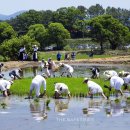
point(23, 56)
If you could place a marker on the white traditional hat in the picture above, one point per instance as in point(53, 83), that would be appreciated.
point(86, 79)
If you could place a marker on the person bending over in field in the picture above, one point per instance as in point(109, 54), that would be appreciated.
point(61, 88)
point(36, 84)
point(116, 83)
point(5, 87)
point(66, 69)
point(94, 88)
point(15, 74)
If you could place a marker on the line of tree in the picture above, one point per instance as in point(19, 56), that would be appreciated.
point(53, 27)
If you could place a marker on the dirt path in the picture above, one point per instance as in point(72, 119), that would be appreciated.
point(113, 60)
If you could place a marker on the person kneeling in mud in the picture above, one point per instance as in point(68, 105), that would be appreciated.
point(61, 88)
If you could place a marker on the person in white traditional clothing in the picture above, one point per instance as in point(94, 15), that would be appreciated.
point(94, 88)
point(37, 81)
point(5, 87)
point(116, 83)
point(66, 69)
point(35, 49)
point(123, 73)
point(109, 73)
point(61, 88)
point(21, 53)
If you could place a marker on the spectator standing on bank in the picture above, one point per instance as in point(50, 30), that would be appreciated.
point(21, 53)
point(35, 49)
point(73, 55)
point(58, 56)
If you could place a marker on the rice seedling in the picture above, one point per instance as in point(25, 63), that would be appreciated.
point(77, 88)
point(3, 105)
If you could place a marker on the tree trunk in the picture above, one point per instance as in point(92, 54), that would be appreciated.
point(101, 47)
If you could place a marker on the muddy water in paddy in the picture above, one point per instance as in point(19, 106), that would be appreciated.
point(64, 114)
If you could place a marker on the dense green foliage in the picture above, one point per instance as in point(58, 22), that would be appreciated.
point(108, 27)
point(11, 47)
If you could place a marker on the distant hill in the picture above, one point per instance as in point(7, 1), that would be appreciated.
point(8, 17)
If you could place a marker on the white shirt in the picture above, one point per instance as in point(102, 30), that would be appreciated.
point(110, 73)
point(68, 68)
point(36, 84)
point(127, 79)
point(35, 49)
point(116, 82)
point(94, 87)
point(22, 49)
point(39, 80)
point(61, 88)
point(4, 84)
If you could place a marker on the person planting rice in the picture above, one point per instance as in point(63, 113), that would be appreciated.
point(66, 69)
point(94, 88)
point(95, 72)
point(61, 88)
point(123, 73)
point(116, 83)
point(109, 73)
point(15, 74)
point(5, 87)
point(37, 81)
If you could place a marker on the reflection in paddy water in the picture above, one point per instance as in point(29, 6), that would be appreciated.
point(64, 114)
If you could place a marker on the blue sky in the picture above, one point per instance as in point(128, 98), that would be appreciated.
point(11, 6)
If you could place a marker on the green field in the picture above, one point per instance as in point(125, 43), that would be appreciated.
point(77, 88)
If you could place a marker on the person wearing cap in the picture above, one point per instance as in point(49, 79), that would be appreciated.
point(95, 72)
point(35, 49)
point(66, 69)
point(109, 73)
point(1, 65)
point(61, 88)
point(15, 74)
point(5, 87)
point(36, 84)
point(116, 83)
point(123, 73)
point(94, 88)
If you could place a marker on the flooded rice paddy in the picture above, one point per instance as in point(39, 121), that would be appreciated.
point(64, 114)
point(80, 70)
point(17, 113)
